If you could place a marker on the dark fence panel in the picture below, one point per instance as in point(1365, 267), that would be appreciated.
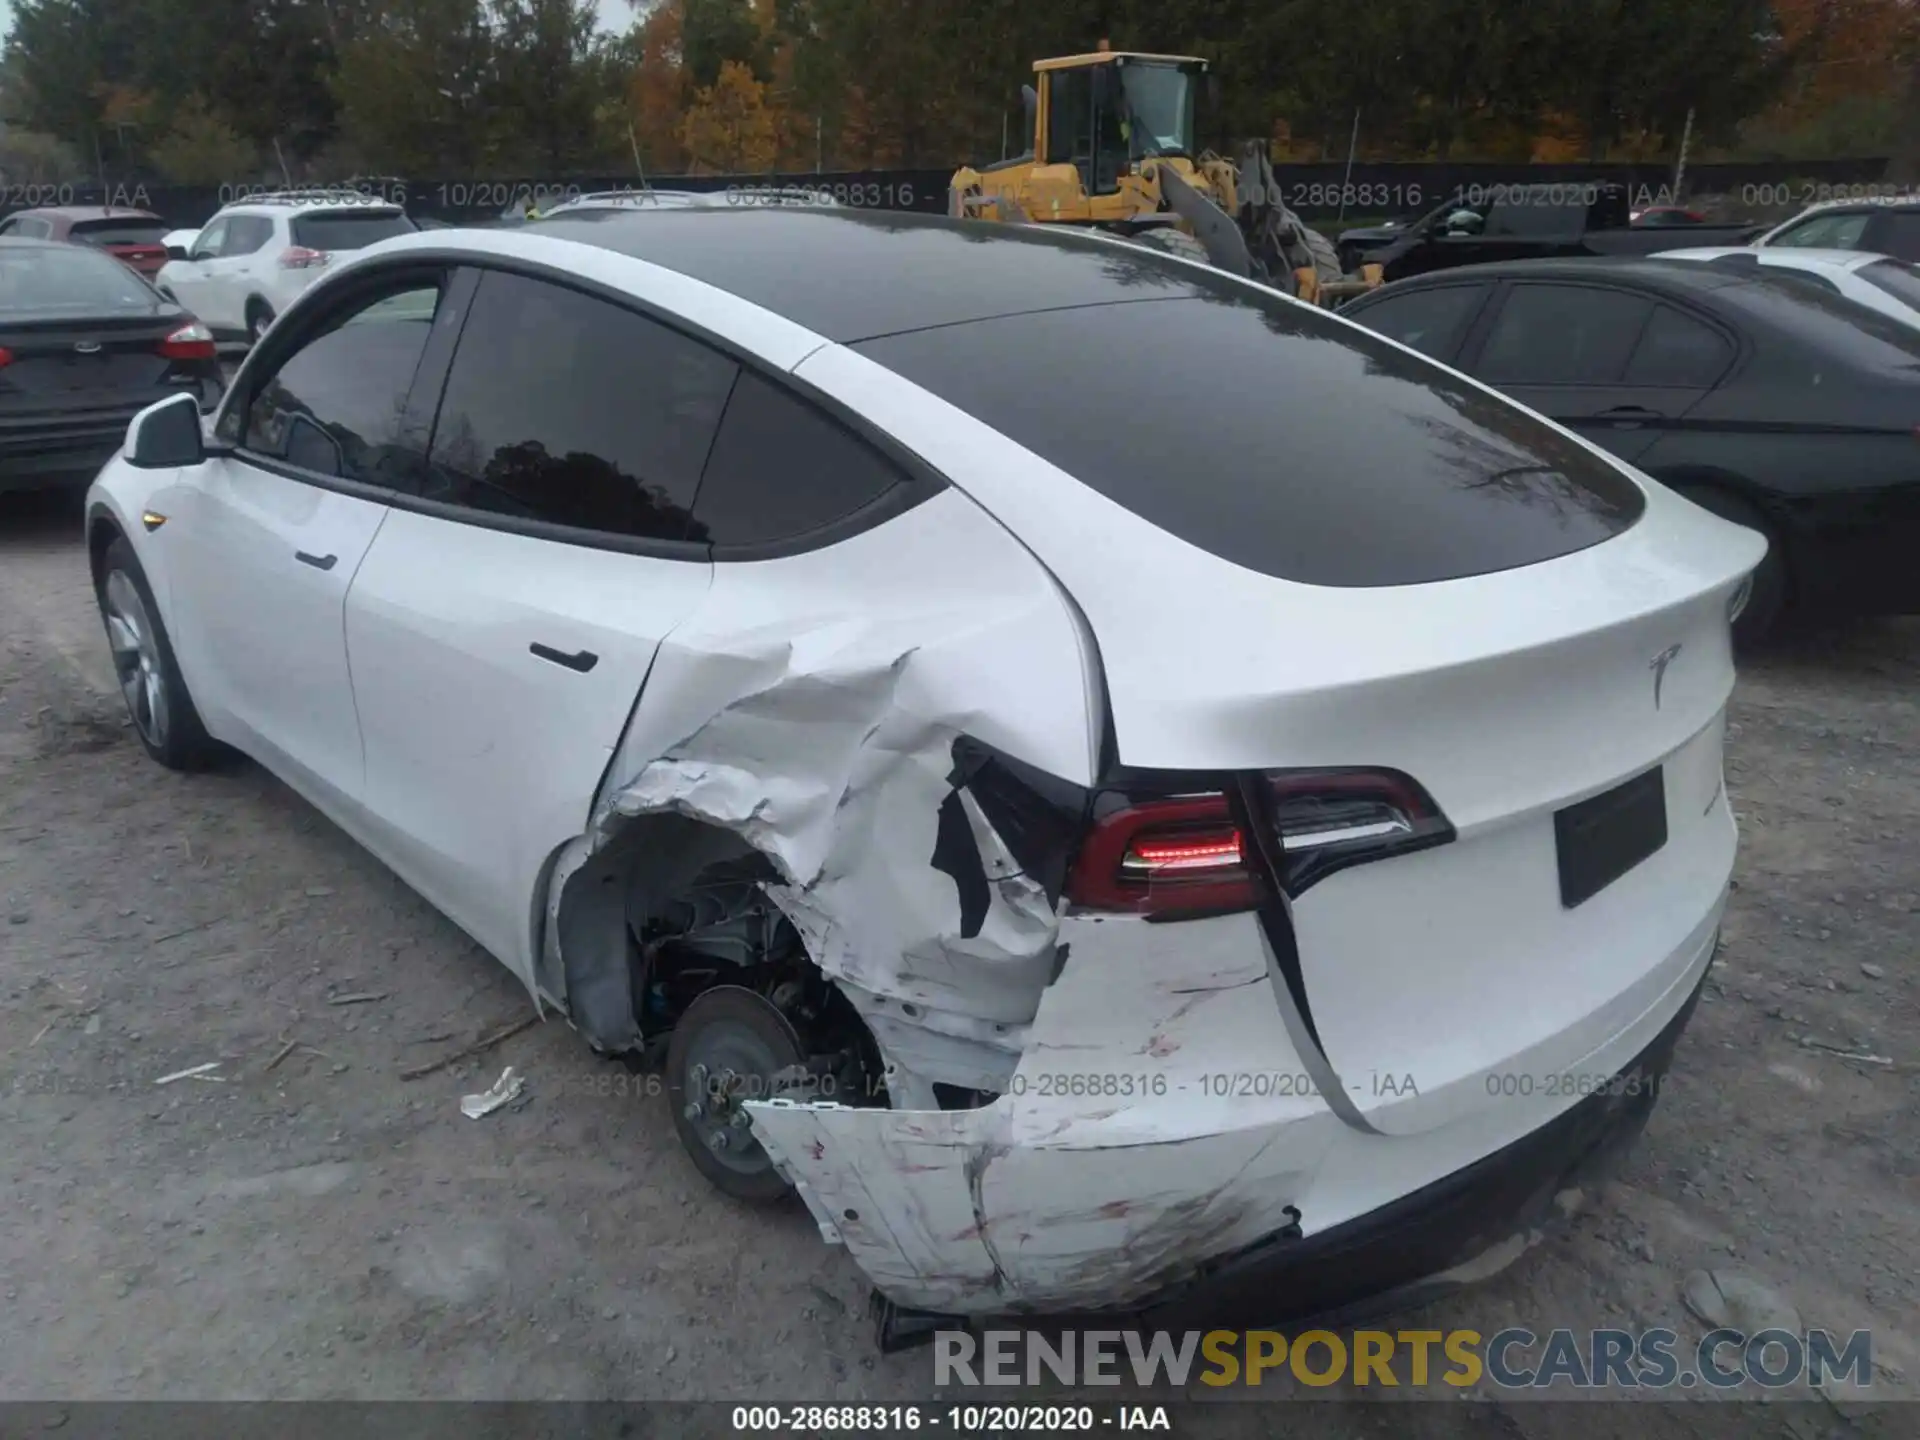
point(1319, 191)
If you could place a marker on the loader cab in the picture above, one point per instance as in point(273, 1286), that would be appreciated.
point(1104, 113)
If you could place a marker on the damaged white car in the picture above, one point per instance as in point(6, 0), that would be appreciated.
point(1129, 793)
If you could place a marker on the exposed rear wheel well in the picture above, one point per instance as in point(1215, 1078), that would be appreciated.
point(670, 907)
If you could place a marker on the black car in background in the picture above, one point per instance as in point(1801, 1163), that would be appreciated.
point(1534, 221)
point(1763, 396)
point(85, 345)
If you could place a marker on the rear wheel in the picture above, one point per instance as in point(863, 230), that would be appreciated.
point(259, 317)
point(162, 711)
point(1169, 241)
point(1768, 596)
point(730, 1046)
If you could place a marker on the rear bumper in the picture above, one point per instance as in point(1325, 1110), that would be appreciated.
point(1448, 1235)
point(43, 452)
point(47, 449)
point(1454, 1232)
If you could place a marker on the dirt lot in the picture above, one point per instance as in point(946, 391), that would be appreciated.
point(310, 1223)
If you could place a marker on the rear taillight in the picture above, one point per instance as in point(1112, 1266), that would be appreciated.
point(1182, 855)
point(6, 357)
point(189, 342)
point(1177, 857)
point(299, 257)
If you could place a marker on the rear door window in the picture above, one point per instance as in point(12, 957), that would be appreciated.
point(565, 409)
point(1431, 320)
point(1676, 349)
point(1562, 335)
point(782, 468)
point(245, 235)
point(348, 229)
point(1356, 465)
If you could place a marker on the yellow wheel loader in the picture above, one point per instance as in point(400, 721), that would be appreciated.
point(1112, 149)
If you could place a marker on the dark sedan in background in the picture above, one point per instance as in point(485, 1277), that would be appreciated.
point(137, 237)
point(1768, 399)
point(85, 344)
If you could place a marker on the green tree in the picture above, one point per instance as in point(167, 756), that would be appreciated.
point(204, 149)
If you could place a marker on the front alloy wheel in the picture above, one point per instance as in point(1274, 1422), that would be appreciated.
point(136, 658)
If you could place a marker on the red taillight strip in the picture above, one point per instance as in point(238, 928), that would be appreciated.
point(1181, 856)
point(1163, 857)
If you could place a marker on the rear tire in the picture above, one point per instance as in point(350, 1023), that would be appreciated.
point(259, 317)
point(730, 1045)
point(158, 704)
point(1768, 598)
point(1169, 241)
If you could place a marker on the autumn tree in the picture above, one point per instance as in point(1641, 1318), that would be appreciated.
point(657, 89)
point(728, 129)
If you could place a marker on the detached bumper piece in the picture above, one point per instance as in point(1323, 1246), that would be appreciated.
point(1399, 1256)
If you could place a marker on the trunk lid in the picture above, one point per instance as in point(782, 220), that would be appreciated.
point(1510, 694)
point(93, 363)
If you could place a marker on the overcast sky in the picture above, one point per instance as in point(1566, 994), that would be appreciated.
point(615, 15)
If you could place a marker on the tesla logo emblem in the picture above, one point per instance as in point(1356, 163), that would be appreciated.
point(87, 347)
point(1659, 665)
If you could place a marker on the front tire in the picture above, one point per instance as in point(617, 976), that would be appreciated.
point(158, 704)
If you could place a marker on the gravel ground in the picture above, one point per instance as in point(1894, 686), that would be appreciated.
point(310, 1223)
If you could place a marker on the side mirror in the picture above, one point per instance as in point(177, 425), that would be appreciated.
point(176, 252)
point(166, 436)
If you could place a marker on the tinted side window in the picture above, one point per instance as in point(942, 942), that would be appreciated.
point(1431, 321)
point(570, 410)
point(1898, 234)
point(1676, 349)
point(781, 468)
point(246, 234)
point(336, 406)
point(1537, 217)
point(1069, 118)
point(1562, 335)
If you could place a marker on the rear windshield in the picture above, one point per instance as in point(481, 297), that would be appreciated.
point(67, 279)
point(1825, 325)
point(1277, 437)
point(349, 229)
point(119, 232)
point(1898, 279)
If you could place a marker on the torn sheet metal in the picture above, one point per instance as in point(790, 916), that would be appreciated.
point(826, 745)
point(1130, 1148)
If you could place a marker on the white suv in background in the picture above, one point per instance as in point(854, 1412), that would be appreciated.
point(255, 256)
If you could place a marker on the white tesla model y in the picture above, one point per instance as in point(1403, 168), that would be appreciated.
point(1126, 792)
